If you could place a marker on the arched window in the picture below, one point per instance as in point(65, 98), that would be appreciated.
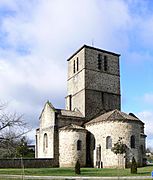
point(45, 144)
point(108, 142)
point(79, 144)
point(132, 142)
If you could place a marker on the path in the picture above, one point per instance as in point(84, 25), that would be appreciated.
point(73, 177)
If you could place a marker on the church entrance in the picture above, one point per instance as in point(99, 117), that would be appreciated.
point(90, 146)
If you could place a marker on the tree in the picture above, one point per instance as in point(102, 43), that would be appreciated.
point(12, 129)
point(23, 149)
point(133, 166)
point(119, 148)
point(77, 168)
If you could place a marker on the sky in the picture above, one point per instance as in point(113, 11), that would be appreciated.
point(38, 36)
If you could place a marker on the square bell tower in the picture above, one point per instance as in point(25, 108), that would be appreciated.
point(93, 83)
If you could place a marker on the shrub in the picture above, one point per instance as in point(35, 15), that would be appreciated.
point(119, 147)
point(77, 168)
point(133, 166)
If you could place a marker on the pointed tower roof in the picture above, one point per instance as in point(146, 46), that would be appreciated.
point(114, 115)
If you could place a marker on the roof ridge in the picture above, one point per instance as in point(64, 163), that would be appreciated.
point(111, 112)
point(114, 114)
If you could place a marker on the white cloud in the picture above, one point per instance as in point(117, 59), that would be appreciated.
point(147, 117)
point(148, 98)
point(59, 23)
point(48, 33)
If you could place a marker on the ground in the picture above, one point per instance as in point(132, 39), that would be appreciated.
point(145, 171)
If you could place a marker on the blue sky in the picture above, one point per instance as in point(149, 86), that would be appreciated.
point(37, 36)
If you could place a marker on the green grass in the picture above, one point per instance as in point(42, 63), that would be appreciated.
point(145, 171)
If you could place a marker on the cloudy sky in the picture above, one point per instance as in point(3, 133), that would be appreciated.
point(37, 36)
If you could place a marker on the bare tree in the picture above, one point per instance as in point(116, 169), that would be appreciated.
point(12, 129)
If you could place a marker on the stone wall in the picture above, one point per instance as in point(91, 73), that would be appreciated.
point(76, 82)
point(116, 129)
point(104, 82)
point(47, 126)
point(47, 117)
point(91, 62)
point(97, 101)
point(64, 121)
point(28, 163)
point(68, 148)
point(102, 86)
point(81, 60)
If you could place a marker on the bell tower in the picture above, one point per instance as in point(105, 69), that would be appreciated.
point(93, 83)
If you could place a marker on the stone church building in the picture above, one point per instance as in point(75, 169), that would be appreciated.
point(92, 122)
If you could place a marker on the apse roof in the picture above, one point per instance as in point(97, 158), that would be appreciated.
point(72, 127)
point(114, 115)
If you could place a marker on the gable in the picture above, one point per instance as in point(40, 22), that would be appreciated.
point(47, 117)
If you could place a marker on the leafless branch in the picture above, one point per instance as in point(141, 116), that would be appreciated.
point(12, 129)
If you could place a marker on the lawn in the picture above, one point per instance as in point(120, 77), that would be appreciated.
point(145, 171)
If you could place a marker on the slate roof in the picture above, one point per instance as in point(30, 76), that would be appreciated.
point(114, 115)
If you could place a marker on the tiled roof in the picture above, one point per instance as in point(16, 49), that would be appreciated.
point(63, 112)
point(72, 127)
point(71, 113)
point(114, 115)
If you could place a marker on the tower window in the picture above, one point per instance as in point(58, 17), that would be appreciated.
point(108, 142)
point(132, 141)
point(73, 66)
point(77, 64)
point(79, 143)
point(105, 63)
point(99, 61)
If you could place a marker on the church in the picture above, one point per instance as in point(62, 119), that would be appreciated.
point(92, 122)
